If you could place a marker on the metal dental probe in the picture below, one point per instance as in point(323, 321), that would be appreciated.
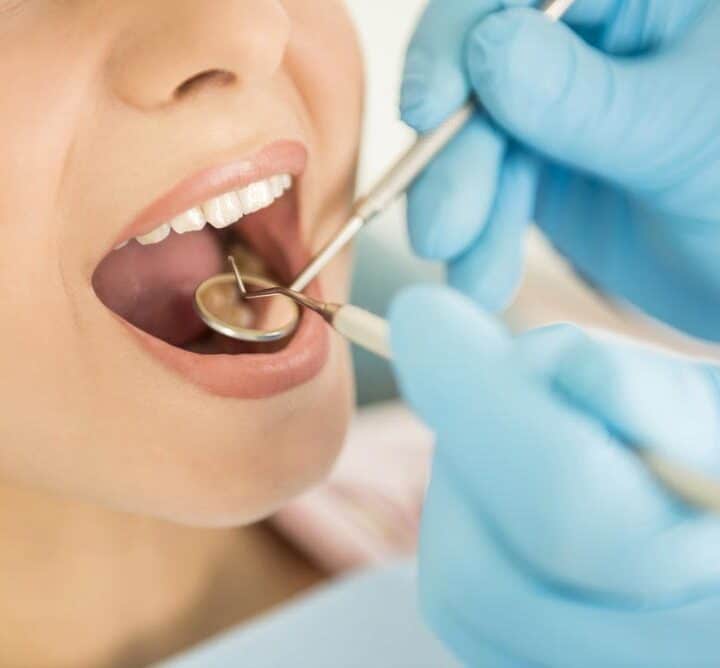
point(403, 172)
point(238, 276)
point(372, 333)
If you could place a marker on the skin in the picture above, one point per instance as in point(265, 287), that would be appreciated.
point(102, 447)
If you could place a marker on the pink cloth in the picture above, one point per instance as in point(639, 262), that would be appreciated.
point(369, 510)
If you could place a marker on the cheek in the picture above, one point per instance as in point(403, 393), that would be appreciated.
point(326, 65)
point(45, 92)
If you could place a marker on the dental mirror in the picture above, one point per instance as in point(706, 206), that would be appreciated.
point(220, 303)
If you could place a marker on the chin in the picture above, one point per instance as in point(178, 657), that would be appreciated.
point(196, 458)
point(247, 474)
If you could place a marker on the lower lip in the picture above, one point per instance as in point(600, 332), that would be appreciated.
point(252, 376)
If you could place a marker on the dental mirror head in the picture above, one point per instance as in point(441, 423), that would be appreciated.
point(220, 303)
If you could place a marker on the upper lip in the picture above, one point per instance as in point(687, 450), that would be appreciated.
point(281, 157)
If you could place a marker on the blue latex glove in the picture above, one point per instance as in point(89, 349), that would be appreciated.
point(618, 115)
point(544, 540)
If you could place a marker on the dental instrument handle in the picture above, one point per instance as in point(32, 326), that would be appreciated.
point(694, 488)
point(390, 187)
point(363, 328)
point(398, 178)
point(329, 251)
point(372, 333)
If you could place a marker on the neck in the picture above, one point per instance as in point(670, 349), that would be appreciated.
point(146, 588)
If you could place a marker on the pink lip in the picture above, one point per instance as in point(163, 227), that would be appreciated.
point(282, 157)
point(250, 376)
point(254, 376)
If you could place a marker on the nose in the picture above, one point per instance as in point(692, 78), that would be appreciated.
point(172, 49)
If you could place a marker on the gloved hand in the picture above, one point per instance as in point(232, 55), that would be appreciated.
point(544, 539)
point(618, 116)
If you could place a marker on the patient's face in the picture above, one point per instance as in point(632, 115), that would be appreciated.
point(195, 127)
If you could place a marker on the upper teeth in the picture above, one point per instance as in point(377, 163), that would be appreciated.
point(222, 211)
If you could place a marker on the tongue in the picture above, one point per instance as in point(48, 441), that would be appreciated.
point(152, 287)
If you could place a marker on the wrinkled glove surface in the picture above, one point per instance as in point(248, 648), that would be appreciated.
point(545, 542)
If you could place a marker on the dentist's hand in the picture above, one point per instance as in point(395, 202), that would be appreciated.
point(544, 539)
point(617, 115)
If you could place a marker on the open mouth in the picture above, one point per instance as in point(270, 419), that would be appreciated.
point(249, 210)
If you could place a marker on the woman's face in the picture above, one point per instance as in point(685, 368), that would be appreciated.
point(118, 118)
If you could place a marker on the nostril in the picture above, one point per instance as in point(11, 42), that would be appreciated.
point(217, 78)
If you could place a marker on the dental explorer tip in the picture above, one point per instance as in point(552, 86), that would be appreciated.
point(238, 276)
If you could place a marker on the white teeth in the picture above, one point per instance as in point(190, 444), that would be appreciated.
point(256, 196)
point(156, 236)
point(121, 246)
point(190, 221)
point(222, 211)
point(278, 186)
